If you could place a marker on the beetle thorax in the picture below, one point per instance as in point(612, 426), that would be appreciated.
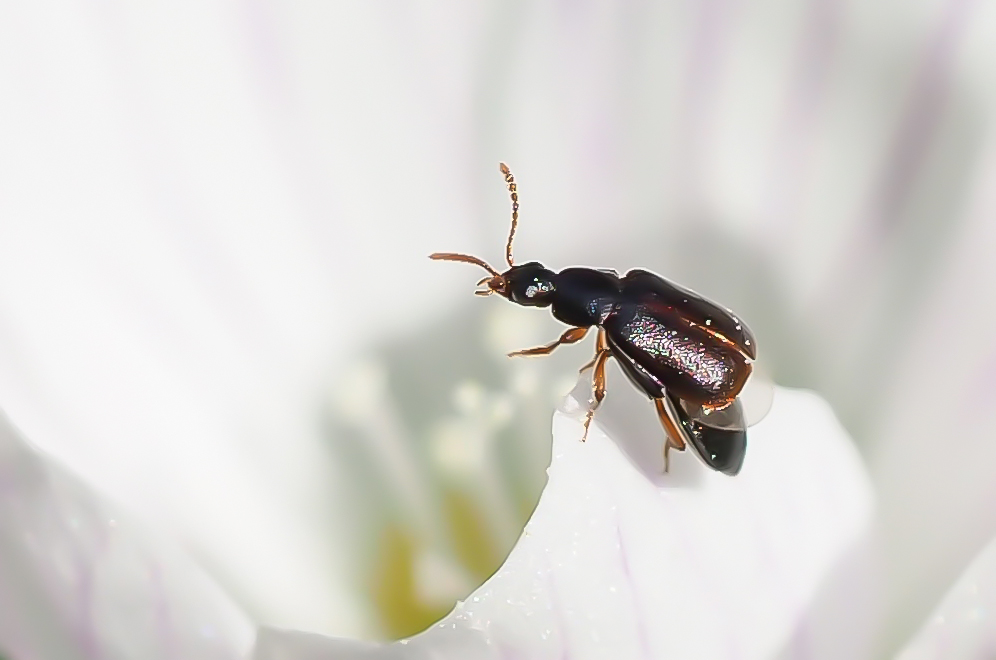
point(584, 296)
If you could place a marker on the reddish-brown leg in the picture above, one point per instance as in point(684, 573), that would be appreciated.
point(599, 388)
point(600, 346)
point(570, 336)
point(673, 435)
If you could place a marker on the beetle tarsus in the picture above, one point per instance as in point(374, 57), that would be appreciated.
point(598, 388)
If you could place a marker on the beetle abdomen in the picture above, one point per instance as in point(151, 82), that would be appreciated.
point(687, 360)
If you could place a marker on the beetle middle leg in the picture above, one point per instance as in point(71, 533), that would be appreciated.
point(598, 386)
point(672, 435)
point(600, 346)
point(570, 336)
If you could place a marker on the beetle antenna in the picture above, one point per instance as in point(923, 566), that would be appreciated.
point(514, 192)
point(466, 258)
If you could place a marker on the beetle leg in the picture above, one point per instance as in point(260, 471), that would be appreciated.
point(668, 444)
point(672, 434)
point(570, 336)
point(722, 405)
point(598, 386)
point(601, 345)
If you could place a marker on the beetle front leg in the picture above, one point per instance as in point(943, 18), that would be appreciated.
point(570, 336)
point(598, 386)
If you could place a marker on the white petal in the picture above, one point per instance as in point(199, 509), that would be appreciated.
point(964, 625)
point(169, 317)
point(922, 485)
point(619, 560)
point(79, 580)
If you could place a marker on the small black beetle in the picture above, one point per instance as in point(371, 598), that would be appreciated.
point(688, 354)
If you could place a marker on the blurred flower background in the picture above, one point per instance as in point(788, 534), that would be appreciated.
point(215, 217)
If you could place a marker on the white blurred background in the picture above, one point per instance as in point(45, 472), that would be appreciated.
point(215, 301)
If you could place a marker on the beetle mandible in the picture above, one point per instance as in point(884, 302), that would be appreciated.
point(691, 356)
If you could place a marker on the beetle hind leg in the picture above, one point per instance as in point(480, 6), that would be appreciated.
point(673, 436)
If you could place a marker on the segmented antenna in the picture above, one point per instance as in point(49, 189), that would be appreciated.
point(465, 258)
point(513, 191)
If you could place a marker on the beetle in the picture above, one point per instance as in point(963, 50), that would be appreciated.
point(690, 356)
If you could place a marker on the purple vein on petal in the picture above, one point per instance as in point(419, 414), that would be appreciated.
point(641, 621)
point(288, 123)
point(706, 54)
point(691, 560)
point(161, 612)
point(982, 386)
point(86, 636)
point(793, 145)
point(175, 192)
point(910, 145)
point(558, 612)
point(860, 256)
point(507, 653)
point(923, 110)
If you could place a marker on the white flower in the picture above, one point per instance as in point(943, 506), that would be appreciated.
point(621, 561)
point(963, 624)
point(207, 211)
point(80, 580)
point(618, 559)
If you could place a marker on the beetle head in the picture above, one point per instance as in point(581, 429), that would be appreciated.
point(529, 284)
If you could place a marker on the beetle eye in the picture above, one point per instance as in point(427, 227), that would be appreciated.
point(538, 287)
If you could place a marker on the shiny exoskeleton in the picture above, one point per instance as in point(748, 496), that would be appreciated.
point(688, 354)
